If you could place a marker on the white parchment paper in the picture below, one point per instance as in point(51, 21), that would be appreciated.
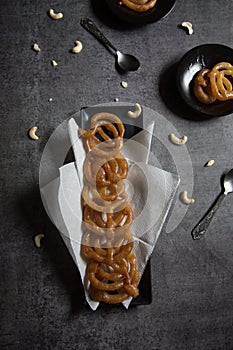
point(151, 191)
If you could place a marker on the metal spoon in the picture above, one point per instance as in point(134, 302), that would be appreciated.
point(202, 226)
point(125, 61)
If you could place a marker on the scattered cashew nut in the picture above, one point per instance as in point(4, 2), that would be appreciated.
point(37, 239)
point(78, 47)
point(54, 63)
point(54, 15)
point(137, 112)
point(210, 163)
point(36, 48)
point(188, 26)
point(185, 199)
point(32, 133)
point(178, 141)
point(124, 84)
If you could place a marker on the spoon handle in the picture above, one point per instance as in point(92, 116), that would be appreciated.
point(202, 226)
point(91, 27)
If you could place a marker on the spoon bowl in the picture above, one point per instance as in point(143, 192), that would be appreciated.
point(127, 62)
point(228, 182)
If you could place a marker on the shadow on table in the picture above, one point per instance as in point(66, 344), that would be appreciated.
point(32, 209)
point(171, 97)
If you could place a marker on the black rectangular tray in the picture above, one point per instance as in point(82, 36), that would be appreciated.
point(135, 126)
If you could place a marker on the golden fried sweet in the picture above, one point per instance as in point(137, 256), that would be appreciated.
point(139, 5)
point(202, 87)
point(214, 84)
point(220, 85)
point(107, 242)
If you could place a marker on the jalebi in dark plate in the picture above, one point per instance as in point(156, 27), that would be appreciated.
point(161, 9)
point(203, 56)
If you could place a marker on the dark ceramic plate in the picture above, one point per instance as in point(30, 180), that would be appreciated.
point(192, 62)
point(161, 9)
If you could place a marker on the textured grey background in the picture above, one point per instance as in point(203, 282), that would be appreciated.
point(41, 297)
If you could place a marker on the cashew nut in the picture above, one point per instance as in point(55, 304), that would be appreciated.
point(78, 47)
point(54, 15)
point(36, 48)
point(210, 163)
point(54, 63)
point(188, 26)
point(37, 239)
point(124, 84)
point(32, 133)
point(185, 199)
point(116, 99)
point(178, 141)
point(137, 112)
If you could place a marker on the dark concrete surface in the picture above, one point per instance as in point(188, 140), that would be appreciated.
point(41, 298)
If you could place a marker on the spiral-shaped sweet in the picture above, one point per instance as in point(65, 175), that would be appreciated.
point(139, 5)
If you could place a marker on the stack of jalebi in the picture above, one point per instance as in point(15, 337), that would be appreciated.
point(215, 84)
point(107, 242)
point(139, 5)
